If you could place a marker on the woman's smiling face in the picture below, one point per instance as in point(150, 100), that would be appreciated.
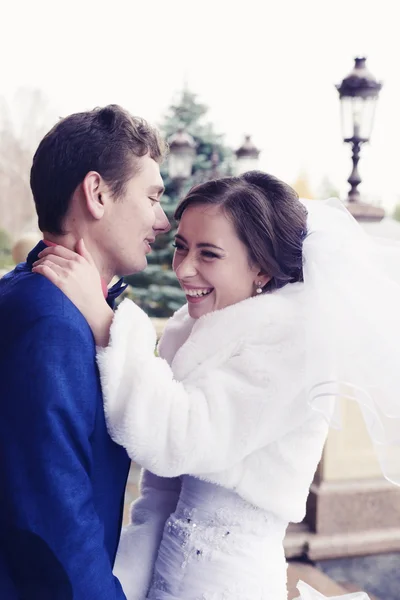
point(210, 261)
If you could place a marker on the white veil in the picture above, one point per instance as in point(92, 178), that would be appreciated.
point(352, 317)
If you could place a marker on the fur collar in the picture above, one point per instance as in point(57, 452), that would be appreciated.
point(266, 319)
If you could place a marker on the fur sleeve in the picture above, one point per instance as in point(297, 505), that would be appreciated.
point(202, 425)
point(140, 540)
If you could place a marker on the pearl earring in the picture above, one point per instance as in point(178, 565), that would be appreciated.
point(259, 288)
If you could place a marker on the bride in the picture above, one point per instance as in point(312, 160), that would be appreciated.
point(284, 316)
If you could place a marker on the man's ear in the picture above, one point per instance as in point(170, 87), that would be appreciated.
point(95, 192)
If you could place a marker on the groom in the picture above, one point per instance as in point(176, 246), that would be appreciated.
point(95, 176)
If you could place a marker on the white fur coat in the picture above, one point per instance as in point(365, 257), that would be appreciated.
point(225, 401)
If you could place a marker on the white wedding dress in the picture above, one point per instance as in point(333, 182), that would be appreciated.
point(217, 546)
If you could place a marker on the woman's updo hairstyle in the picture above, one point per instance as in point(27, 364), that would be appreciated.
point(267, 216)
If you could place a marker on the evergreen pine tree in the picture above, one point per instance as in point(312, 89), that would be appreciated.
point(156, 289)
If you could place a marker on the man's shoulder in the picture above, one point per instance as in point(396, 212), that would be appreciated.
point(27, 298)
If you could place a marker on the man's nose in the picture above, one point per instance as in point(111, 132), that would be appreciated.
point(162, 225)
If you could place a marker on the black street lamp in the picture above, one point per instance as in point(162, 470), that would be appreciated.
point(182, 147)
point(182, 155)
point(358, 93)
point(247, 156)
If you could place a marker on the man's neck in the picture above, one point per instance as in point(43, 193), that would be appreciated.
point(69, 241)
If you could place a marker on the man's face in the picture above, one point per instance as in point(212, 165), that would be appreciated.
point(132, 222)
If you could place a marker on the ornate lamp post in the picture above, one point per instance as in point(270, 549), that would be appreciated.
point(180, 161)
point(359, 93)
point(247, 156)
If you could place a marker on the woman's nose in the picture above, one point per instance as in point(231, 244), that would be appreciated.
point(186, 268)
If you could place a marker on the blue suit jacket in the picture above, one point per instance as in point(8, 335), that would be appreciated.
point(62, 478)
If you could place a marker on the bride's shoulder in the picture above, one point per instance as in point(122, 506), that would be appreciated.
point(272, 318)
point(283, 306)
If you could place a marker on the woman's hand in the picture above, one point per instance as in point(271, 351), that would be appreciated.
point(76, 274)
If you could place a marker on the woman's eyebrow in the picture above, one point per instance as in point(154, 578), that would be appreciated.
point(200, 245)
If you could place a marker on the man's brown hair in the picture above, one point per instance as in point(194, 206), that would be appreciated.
point(106, 140)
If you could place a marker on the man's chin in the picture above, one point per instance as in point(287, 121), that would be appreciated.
point(134, 268)
point(130, 269)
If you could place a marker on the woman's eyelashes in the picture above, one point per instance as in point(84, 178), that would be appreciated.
point(180, 248)
point(208, 254)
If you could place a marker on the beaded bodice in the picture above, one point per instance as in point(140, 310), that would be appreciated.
point(213, 531)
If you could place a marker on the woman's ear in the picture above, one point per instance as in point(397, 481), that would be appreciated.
point(262, 279)
point(95, 193)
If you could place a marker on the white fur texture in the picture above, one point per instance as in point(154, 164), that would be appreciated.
point(225, 402)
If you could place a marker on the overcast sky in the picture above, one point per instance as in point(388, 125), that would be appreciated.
point(265, 68)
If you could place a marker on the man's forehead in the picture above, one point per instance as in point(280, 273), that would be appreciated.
point(147, 174)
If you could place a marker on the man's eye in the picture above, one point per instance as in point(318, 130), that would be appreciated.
point(153, 200)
